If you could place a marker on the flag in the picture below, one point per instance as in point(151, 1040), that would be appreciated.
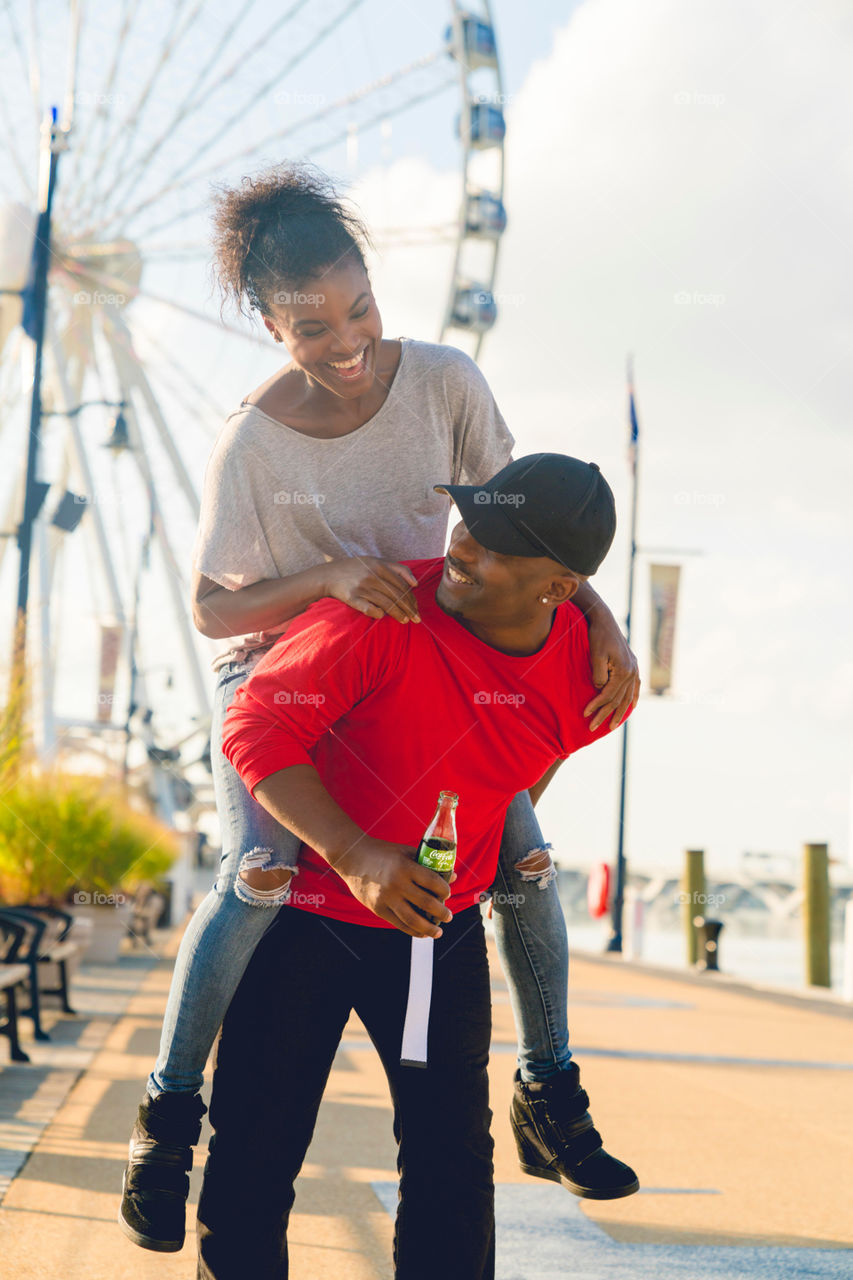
point(111, 638)
point(664, 582)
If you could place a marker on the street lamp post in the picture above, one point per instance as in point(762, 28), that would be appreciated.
point(34, 323)
point(614, 942)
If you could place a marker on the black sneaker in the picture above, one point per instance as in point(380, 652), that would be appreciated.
point(556, 1139)
point(155, 1184)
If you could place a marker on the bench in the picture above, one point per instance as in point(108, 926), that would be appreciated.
point(147, 911)
point(45, 941)
point(11, 975)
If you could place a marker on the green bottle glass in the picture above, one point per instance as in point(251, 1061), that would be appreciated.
point(438, 846)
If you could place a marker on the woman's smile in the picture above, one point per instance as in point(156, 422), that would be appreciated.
point(352, 369)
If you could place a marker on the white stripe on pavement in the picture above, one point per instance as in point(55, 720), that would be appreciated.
point(542, 1234)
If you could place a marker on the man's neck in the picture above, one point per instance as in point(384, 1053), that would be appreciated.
point(517, 640)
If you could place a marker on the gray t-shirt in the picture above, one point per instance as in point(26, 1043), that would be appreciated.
point(276, 501)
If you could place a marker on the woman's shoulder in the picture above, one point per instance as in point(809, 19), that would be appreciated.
point(240, 435)
point(279, 395)
point(436, 355)
point(444, 366)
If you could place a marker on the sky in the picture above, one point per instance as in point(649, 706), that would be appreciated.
point(678, 184)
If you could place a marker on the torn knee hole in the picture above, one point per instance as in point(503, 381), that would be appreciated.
point(260, 882)
point(275, 878)
point(537, 866)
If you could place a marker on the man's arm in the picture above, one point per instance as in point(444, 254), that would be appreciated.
point(384, 876)
point(615, 671)
point(330, 659)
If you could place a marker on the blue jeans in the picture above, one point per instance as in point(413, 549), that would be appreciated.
point(228, 925)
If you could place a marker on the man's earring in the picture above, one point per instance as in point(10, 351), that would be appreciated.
point(544, 599)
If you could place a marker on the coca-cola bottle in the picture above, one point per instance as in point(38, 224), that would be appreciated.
point(438, 846)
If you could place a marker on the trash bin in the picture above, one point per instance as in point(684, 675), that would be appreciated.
point(709, 945)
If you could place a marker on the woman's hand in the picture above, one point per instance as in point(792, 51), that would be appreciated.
point(615, 671)
point(373, 586)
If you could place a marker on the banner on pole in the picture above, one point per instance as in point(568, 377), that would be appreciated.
point(110, 648)
point(664, 581)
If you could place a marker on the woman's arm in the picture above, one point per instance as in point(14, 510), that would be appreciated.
point(614, 668)
point(219, 612)
point(373, 586)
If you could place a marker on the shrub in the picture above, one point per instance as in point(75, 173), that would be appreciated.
point(61, 832)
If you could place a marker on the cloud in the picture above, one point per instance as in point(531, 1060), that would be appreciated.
point(678, 178)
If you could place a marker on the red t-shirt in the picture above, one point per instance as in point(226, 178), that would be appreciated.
point(390, 714)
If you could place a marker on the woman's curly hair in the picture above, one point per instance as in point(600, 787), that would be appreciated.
point(277, 230)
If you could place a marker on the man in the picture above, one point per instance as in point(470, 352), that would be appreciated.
point(346, 732)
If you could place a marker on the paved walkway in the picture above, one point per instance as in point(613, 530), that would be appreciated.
point(736, 1110)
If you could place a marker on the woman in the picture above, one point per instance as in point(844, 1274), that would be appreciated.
point(318, 485)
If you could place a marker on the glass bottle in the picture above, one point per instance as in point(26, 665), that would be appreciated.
point(438, 846)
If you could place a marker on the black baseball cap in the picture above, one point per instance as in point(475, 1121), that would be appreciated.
point(546, 504)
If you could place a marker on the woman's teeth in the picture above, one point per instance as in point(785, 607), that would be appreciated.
point(349, 368)
point(454, 576)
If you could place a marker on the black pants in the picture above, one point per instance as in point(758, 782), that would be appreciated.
point(278, 1042)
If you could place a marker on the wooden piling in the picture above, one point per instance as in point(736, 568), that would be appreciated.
point(693, 899)
point(816, 913)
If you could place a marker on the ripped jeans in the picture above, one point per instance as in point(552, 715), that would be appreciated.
point(226, 928)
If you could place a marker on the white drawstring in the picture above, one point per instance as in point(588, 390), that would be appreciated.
point(416, 1026)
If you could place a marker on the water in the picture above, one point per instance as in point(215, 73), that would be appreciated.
point(772, 961)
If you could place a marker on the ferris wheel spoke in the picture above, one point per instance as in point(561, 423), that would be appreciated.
point(117, 284)
point(120, 342)
point(414, 237)
point(78, 452)
point(18, 42)
point(388, 81)
point(72, 195)
point(195, 90)
point(177, 387)
point(131, 375)
point(193, 101)
point(261, 42)
point(205, 319)
point(12, 150)
point(71, 64)
point(10, 511)
point(376, 119)
point(186, 250)
point(34, 60)
point(96, 122)
point(12, 392)
point(279, 135)
point(126, 130)
point(200, 394)
point(176, 180)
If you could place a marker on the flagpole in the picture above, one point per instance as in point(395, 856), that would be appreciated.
point(614, 942)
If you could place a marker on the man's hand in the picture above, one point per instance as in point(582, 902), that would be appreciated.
point(615, 671)
point(388, 879)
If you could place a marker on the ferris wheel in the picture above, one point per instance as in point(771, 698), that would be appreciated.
point(106, 412)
